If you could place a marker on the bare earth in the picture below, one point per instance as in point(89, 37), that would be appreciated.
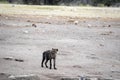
point(87, 47)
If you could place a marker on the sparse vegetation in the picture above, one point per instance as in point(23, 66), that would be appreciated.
point(3, 1)
point(90, 12)
point(66, 2)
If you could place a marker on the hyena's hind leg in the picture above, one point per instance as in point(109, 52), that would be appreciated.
point(46, 63)
point(43, 59)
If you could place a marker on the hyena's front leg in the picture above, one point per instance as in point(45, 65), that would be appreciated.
point(50, 64)
point(54, 63)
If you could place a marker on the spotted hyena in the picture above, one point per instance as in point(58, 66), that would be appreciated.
point(48, 56)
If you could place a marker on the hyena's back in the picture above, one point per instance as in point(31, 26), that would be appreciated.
point(46, 54)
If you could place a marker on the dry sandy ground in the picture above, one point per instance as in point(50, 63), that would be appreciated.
point(91, 47)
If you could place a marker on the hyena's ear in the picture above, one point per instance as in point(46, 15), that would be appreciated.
point(56, 49)
point(52, 48)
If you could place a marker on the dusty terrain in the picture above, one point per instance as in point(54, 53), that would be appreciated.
point(87, 46)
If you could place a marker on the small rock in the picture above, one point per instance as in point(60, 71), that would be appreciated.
point(71, 20)
point(6, 17)
point(2, 74)
point(110, 32)
point(26, 32)
point(89, 25)
point(77, 66)
point(113, 65)
point(19, 60)
point(107, 33)
point(104, 34)
point(109, 25)
point(103, 25)
point(47, 23)
point(92, 57)
point(75, 22)
point(101, 45)
point(13, 5)
point(84, 21)
point(34, 25)
point(8, 58)
point(28, 20)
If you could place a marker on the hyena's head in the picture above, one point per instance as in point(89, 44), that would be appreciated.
point(54, 50)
